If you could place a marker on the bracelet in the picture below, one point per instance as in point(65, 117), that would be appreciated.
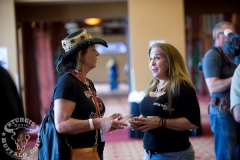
point(91, 124)
point(164, 123)
point(160, 121)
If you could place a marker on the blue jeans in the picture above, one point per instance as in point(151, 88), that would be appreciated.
point(224, 128)
point(187, 154)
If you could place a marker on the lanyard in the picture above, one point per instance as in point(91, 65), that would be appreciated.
point(89, 89)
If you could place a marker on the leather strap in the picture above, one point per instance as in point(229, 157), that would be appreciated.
point(89, 87)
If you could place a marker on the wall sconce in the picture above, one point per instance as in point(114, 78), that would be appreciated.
point(33, 24)
point(92, 21)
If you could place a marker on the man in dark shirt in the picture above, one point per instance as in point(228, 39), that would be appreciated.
point(218, 68)
point(11, 106)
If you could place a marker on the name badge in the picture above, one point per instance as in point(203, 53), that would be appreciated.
point(102, 136)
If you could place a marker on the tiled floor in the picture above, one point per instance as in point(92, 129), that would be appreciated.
point(120, 146)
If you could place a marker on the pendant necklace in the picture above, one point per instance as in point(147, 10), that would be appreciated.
point(160, 90)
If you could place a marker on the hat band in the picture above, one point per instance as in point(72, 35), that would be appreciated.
point(68, 43)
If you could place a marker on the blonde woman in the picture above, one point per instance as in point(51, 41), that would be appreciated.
point(169, 109)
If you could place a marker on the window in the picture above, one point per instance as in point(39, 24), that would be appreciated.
point(113, 48)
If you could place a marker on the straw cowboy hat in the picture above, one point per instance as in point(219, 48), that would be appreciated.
point(76, 41)
point(79, 40)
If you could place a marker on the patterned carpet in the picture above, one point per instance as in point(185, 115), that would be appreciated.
point(120, 146)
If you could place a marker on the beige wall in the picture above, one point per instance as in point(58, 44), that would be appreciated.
point(153, 20)
point(148, 20)
point(8, 36)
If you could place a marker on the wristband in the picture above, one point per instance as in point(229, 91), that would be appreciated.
point(91, 124)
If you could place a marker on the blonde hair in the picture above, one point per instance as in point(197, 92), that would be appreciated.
point(176, 71)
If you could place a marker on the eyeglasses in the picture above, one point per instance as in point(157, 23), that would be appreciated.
point(223, 33)
point(220, 33)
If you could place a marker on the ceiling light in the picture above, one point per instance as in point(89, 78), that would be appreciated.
point(92, 21)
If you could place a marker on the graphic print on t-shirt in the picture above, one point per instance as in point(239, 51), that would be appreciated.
point(163, 106)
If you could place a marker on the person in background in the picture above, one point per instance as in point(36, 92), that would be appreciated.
point(12, 107)
point(235, 95)
point(218, 69)
point(112, 71)
point(235, 104)
point(78, 110)
point(170, 107)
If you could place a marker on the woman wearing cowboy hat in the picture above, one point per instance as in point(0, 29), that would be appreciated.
point(78, 110)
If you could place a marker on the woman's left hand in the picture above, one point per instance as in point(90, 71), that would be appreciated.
point(145, 124)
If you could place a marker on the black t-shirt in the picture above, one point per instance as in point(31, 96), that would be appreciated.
point(164, 139)
point(70, 88)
